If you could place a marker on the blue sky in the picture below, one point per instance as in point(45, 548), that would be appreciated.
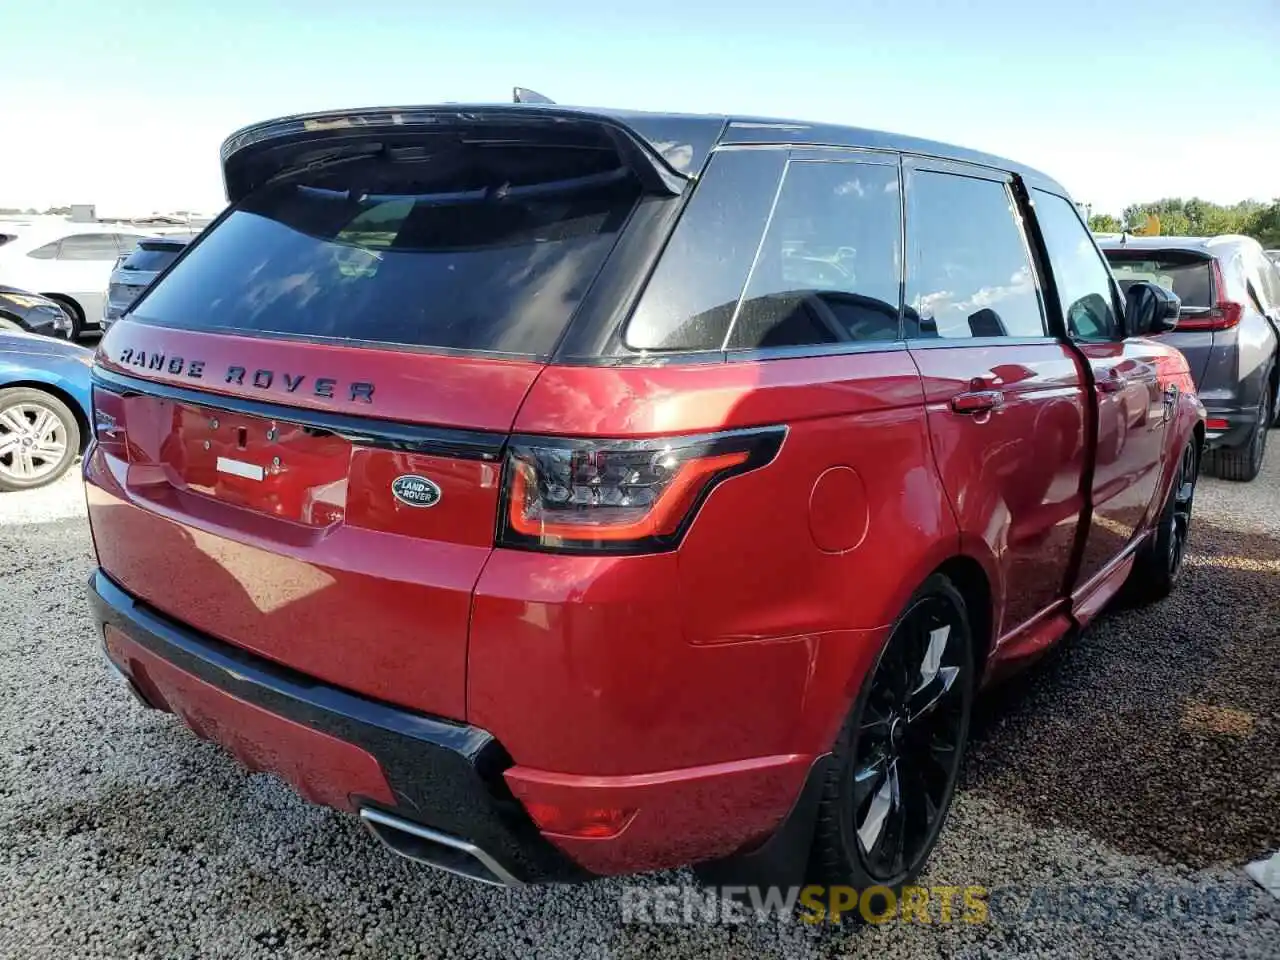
point(125, 105)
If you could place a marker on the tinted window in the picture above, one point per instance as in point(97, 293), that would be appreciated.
point(89, 246)
point(1083, 281)
point(478, 247)
point(48, 252)
point(1187, 275)
point(693, 292)
point(968, 273)
point(829, 268)
point(151, 256)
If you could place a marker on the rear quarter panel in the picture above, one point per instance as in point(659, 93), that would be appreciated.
point(752, 638)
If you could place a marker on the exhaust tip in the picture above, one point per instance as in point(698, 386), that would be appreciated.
point(424, 845)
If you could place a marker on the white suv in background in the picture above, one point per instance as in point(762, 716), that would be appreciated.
point(67, 262)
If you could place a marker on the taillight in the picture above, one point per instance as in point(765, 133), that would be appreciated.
point(1224, 314)
point(108, 422)
point(619, 496)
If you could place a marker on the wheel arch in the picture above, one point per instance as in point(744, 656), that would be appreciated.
point(66, 300)
point(77, 411)
point(969, 577)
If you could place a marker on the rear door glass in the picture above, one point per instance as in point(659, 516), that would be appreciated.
point(1188, 275)
point(968, 273)
point(484, 249)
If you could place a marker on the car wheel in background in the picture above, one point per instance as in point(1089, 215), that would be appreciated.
point(1275, 393)
point(39, 438)
point(897, 758)
point(1159, 563)
point(1244, 462)
point(72, 310)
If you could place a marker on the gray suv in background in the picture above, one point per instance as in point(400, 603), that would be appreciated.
point(134, 272)
point(1228, 329)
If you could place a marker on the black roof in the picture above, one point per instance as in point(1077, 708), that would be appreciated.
point(680, 142)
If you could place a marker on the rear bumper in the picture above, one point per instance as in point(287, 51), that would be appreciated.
point(1233, 428)
point(351, 752)
point(334, 747)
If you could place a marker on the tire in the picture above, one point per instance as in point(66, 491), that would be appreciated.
point(1159, 563)
point(1275, 394)
point(33, 420)
point(1243, 463)
point(77, 316)
point(895, 767)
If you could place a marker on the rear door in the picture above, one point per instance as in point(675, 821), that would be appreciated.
point(1133, 401)
point(1006, 399)
point(300, 424)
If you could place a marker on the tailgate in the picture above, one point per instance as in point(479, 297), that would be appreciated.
point(300, 422)
point(345, 547)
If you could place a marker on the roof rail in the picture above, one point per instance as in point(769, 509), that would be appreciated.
point(525, 95)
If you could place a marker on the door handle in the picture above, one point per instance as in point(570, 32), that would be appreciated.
point(977, 401)
point(1115, 384)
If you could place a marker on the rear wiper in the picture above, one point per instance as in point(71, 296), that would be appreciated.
point(325, 162)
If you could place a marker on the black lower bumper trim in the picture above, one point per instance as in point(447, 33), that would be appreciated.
point(444, 774)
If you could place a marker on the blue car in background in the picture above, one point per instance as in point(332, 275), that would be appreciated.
point(44, 407)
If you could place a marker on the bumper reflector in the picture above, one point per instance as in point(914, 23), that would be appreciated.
point(600, 822)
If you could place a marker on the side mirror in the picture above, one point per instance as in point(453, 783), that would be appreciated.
point(1150, 308)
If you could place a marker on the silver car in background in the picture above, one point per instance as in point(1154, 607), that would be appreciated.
point(1228, 329)
point(135, 271)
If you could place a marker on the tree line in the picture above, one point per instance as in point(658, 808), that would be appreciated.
point(1175, 217)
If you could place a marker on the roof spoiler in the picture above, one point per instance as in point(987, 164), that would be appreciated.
point(259, 153)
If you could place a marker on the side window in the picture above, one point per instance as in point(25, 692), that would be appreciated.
point(48, 252)
point(89, 246)
point(1082, 278)
point(829, 268)
point(968, 272)
point(695, 288)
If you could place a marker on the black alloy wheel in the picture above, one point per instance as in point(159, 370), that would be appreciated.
point(899, 755)
point(1158, 564)
point(1184, 495)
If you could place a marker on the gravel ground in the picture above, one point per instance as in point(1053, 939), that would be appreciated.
point(1139, 761)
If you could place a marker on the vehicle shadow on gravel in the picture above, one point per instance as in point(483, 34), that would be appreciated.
point(1156, 730)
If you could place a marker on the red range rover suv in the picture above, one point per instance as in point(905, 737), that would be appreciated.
point(573, 493)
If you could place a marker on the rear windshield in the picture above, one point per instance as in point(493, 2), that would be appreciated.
point(1187, 275)
point(151, 256)
point(480, 249)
